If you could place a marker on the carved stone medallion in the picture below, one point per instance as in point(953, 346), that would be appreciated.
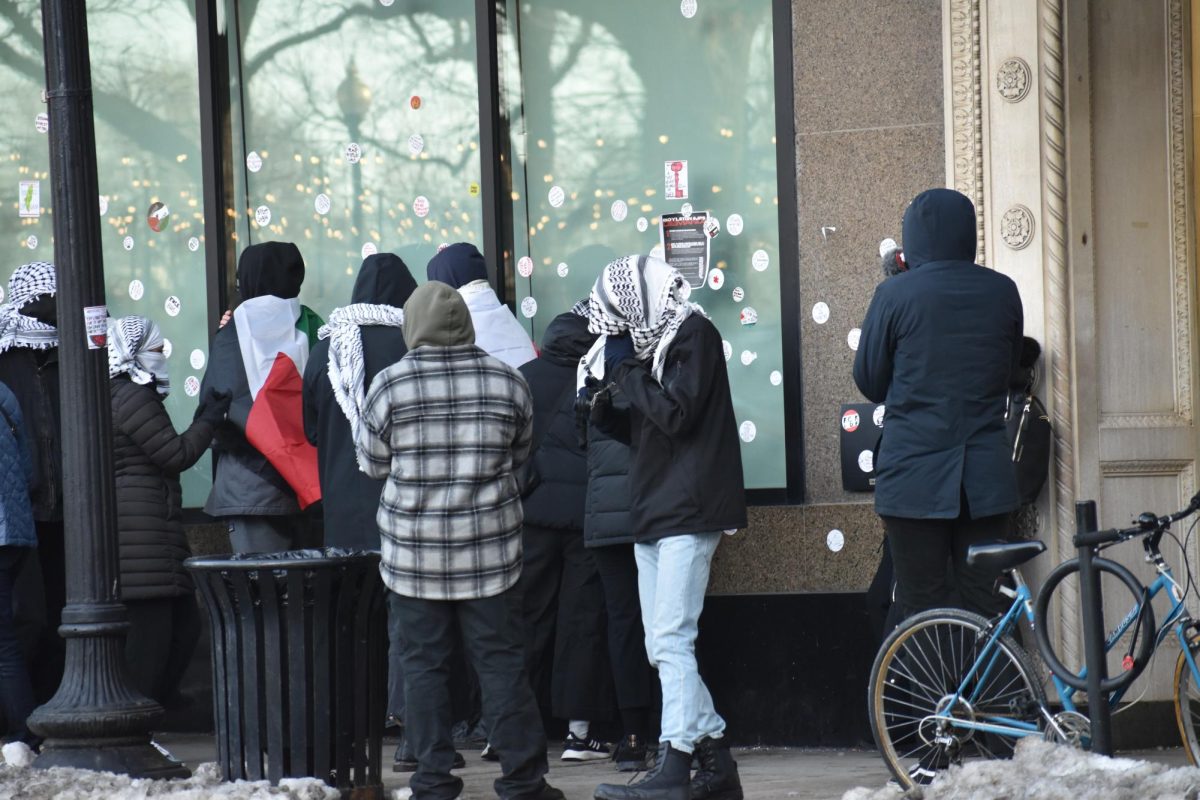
point(1016, 227)
point(1014, 79)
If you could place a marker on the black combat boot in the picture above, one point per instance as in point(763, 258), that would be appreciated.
point(666, 780)
point(717, 778)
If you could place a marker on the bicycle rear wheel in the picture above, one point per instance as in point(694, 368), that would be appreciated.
point(912, 700)
point(1187, 704)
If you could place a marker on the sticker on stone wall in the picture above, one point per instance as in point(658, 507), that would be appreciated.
point(473, 188)
point(716, 279)
point(835, 540)
point(686, 209)
point(776, 377)
point(29, 198)
point(368, 249)
point(167, 348)
point(760, 260)
point(421, 206)
point(557, 196)
point(712, 227)
point(41, 123)
point(727, 349)
point(127, 243)
point(136, 290)
point(820, 313)
point(253, 161)
point(748, 316)
point(619, 210)
point(103, 204)
point(739, 294)
point(563, 269)
point(196, 359)
point(748, 430)
point(733, 224)
point(525, 266)
point(749, 357)
point(262, 215)
point(850, 421)
point(191, 386)
point(158, 216)
point(416, 143)
point(31, 241)
point(877, 415)
point(885, 245)
point(172, 306)
point(322, 204)
point(866, 460)
point(642, 224)
point(852, 338)
point(353, 153)
point(414, 102)
point(193, 244)
point(528, 307)
point(688, 8)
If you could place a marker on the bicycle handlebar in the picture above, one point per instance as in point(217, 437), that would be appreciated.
point(1148, 522)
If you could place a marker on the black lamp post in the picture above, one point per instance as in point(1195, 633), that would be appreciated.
point(95, 720)
point(354, 99)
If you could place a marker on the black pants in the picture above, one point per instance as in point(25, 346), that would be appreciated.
point(626, 637)
point(38, 599)
point(163, 632)
point(564, 610)
point(492, 635)
point(930, 560)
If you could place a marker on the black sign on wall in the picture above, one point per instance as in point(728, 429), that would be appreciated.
point(862, 425)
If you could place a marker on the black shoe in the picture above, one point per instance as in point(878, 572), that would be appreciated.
point(668, 780)
point(489, 753)
point(405, 759)
point(717, 778)
point(547, 792)
point(631, 755)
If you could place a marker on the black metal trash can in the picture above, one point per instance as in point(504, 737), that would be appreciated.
point(299, 656)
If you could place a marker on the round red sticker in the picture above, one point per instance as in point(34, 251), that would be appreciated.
point(850, 421)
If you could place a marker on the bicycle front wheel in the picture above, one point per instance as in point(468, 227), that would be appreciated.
point(1187, 704)
point(922, 707)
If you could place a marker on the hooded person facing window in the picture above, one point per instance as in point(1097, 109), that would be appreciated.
point(257, 503)
point(497, 331)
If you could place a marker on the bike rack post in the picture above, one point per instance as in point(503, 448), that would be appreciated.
point(1093, 632)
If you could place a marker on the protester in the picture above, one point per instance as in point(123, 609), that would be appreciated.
point(148, 456)
point(448, 426)
point(938, 347)
point(563, 595)
point(29, 367)
point(686, 487)
point(497, 331)
point(18, 538)
point(257, 503)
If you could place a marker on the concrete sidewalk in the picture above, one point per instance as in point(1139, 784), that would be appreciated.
point(767, 773)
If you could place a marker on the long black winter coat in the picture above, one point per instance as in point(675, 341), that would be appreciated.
point(607, 520)
point(33, 377)
point(351, 499)
point(685, 471)
point(148, 456)
point(558, 500)
point(938, 347)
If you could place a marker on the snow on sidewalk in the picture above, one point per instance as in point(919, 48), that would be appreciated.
point(1042, 771)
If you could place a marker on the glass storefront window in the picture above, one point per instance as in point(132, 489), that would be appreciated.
point(610, 96)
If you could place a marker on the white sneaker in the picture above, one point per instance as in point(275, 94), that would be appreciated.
point(576, 749)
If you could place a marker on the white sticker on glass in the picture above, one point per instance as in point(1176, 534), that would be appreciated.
point(686, 209)
point(421, 206)
point(749, 357)
point(877, 415)
point(563, 269)
point(835, 540)
point(136, 290)
point(353, 153)
point(528, 307)
point(172, 306)
point(322, 204)
point(262, 215)
point(748, 316)
point(776, 378)
point(733, 224)
point(716, 279)
point(167, 347)
point(748, 430)
point(642, 224)
point(386, 3)
point(866, 461)
point(127, 243)
point(760, 260)
point(712, 227)
point(41, 123)
point(31, 241)
point(525, 266)
point(852, 338)
point(368, 249)
point(557, 196)
point(191, 386)
point(103, 205)
point(416, 143)
point(196, 359)
point(739, 294)
point(688, 8)
point(619, 210)
point(253, 161)
point(727, 349)
point(193, 244)
point(820, 313)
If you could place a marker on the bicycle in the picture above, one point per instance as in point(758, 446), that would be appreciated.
point(947, 683)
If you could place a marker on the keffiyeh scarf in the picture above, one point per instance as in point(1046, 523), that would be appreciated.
point(134, 349)
point(347, 369)
point(645, 298)
point(27, 283)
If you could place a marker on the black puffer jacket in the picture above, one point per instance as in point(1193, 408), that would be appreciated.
point(558, 501)
point(351, 497)
point(148, 456)
point(606, 515)
point(33, 377)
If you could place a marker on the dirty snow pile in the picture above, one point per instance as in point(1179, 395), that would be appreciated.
point(79, 784)
point(1042, 771)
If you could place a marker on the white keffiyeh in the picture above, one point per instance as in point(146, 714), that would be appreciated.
point(645, 298)
point(135, 349)
point(28, 282)
point(347, 369)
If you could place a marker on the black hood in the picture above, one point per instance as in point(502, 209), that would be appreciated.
point(939, 225)
point(383, 279)
point(457, 265)
point(566, 339)
point(270, 268)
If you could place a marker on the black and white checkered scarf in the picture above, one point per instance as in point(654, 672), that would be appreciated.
point(135, 349)
point(28, 282)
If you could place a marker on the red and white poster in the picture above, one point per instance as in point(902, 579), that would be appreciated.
point(676, 175)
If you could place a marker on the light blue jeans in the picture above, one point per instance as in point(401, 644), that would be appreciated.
point(672, 579)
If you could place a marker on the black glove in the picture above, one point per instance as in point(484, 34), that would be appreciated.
point(214, 405)
point(616, 349)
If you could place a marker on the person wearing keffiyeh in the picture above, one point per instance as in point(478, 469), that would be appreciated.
point(148, 456)
point(686, 488)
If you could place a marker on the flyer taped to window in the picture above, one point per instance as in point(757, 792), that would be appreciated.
point(685, 245)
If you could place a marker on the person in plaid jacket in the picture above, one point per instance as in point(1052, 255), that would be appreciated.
point(448, 426)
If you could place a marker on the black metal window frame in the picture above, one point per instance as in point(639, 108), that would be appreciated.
point(496, 194)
